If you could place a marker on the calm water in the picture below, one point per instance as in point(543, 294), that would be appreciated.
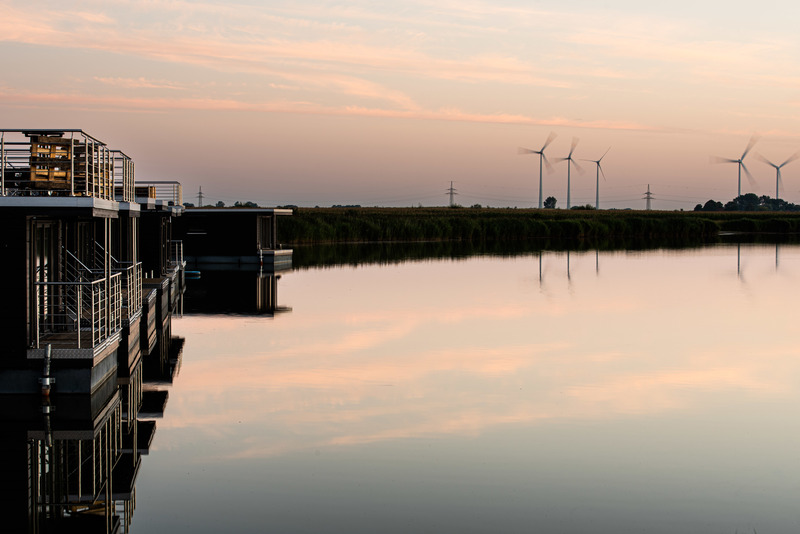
point(616, 392)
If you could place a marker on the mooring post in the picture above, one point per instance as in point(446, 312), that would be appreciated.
point(46, 381)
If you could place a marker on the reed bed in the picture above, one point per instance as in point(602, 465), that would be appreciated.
point(360, 225)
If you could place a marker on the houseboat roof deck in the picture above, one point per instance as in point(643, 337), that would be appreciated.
point(234, 210)
point(53, 205)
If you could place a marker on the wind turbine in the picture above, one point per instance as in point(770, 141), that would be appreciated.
point(778, 179)
point(571, 162)
point(599, 170)
point(542, 158)
point(740, 162)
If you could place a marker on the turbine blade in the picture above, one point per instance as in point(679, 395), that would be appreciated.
point(717, 159)
point(761, 158)
point(750, 178)
point(601, 170)
point(522, 151)
point(791, 159)
point(753, 140)
point(572, 148)
point(578, 165)
point(604, 154)
point(547, 163)
point(549, 140)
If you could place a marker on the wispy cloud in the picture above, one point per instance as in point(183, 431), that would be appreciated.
point(138, 83)
point(138, 104)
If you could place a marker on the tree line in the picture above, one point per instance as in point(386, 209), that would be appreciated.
point(749, 202)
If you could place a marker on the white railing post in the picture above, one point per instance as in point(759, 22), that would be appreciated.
point(72, 163)
point(86, 166)
point(107, 178)
point(79, 310)
point(36, 325)
point(3, 164)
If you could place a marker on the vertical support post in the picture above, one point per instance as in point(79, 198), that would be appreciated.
point(86, 165)
point(80, 470)
point(112, 177)
point(109, 174)
point(36, 322)
point(79, 310)
point(3, 164)
point(72, 164)
point(107, 272)
point(103, 172)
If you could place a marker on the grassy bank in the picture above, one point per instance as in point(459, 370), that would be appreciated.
point(343, 225)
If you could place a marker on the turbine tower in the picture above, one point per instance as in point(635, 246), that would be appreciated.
point(599, 170)
point(542, 158)
point(571, 162)
point(740, 162)
point(778, 179)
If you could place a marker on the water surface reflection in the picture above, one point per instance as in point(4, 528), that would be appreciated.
point(591, 392)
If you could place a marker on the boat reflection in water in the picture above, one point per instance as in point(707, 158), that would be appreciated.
point(233, 292)
point(68, 462)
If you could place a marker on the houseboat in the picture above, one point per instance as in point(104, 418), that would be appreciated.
point(238, 238)
point(92, 277)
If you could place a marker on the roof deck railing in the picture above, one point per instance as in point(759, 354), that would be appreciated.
point(124, 177)
point(167, 190)
point(62, 163)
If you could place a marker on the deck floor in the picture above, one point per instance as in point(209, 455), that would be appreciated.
point(66, 340)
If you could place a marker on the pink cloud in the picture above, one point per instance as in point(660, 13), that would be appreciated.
point(138, 83)
point(128, 104)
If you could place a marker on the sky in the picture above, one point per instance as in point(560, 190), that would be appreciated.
point(384, 104)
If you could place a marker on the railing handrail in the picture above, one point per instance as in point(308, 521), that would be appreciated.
point(117, 274)
point(97, 309)
point(93, 282)
point(64, 162)
point(169, 190)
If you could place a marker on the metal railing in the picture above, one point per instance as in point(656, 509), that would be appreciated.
point(176, 253)
point(170, 191)
point(124, 177)
point(62, 163)
point(78, 314)
point(131, 276)
point(131, 286)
